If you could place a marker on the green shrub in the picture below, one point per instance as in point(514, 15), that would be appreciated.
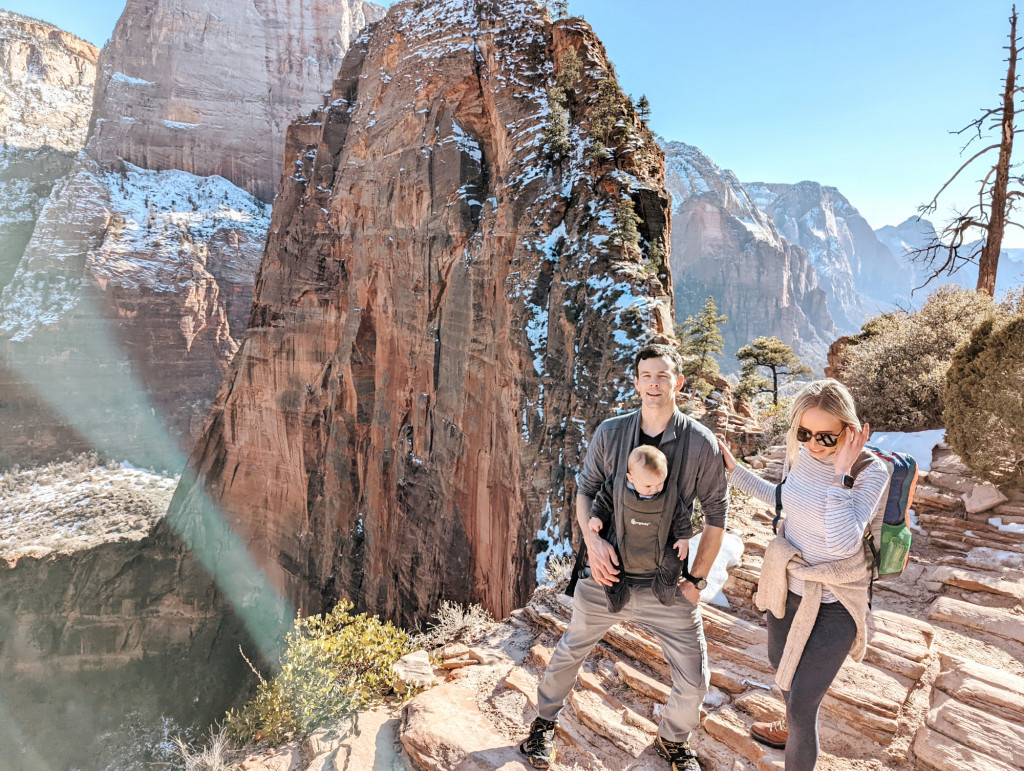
point(896, 368)
point(984, 397)
point(333, 665)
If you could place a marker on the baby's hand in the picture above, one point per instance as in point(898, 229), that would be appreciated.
point(683, 547)
point(594, 524)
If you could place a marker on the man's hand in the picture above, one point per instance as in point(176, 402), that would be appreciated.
point(690, 592)
point(603, 562)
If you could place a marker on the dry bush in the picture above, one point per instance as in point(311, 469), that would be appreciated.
point(557, 573)
point(216, 755)
point(453, 623)
point(896, 367)
point(985, 401)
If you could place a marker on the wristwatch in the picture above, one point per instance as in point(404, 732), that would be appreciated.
point(700, 583)
point(843, 479)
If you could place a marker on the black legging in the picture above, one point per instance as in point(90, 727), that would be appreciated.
point(830, 641)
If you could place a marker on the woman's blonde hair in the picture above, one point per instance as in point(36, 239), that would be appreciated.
point(829, 395)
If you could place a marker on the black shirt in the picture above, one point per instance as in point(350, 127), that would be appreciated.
point(653, 441)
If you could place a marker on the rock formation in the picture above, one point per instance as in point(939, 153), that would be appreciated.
point(228, 80)
point(46, 82)
point(101, 645)
point(440, 319)
point(859, 274)
point(724, 246)
point(117, 326)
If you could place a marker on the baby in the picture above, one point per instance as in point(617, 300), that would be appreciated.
point(647, 470)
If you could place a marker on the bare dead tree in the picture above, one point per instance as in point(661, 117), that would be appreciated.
point(994, 209)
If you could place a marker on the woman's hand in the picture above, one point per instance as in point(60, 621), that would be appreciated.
point(851, 443)
point(727, 456)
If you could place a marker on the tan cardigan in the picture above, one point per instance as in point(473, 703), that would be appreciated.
point(848, 579)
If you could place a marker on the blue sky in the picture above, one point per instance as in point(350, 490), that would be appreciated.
point(861, 95)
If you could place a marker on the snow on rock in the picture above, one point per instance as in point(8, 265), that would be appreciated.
point(78, 504)
point(1009, 527)
point(159, 225)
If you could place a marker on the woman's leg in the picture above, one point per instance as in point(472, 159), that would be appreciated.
point(778, 629)
point(830, 641)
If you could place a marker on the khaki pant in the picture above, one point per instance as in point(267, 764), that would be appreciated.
point(679, 630)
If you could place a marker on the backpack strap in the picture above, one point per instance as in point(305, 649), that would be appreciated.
point(778, 506)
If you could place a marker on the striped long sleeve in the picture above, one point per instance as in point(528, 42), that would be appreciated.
point(824, 521)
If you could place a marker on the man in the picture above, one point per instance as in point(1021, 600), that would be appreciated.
point(698, 473)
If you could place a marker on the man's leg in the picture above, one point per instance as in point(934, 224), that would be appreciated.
point(590, 620)
point(680, 631)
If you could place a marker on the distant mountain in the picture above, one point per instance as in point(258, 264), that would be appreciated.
point(723, 245)
point(859, 273)
point(915, 233)
point(46, 82)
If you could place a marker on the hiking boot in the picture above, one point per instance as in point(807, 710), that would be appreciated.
point(539, 747)
point(678, 754)
point(772, 734)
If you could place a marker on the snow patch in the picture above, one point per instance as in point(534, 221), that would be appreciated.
point(120, 77)
point(728, 556)
point(1007, 527)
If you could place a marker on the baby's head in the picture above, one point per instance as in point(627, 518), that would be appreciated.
point(647, 469)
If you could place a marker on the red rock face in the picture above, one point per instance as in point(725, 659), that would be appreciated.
point(217, 101)
point(120, 315)
point(438, 320)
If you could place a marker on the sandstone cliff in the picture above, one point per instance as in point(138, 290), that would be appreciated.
point(46, 82)
point(723, 245)
point(120, 318)
point(439, 320)
point(228, 80)
point(859, 274)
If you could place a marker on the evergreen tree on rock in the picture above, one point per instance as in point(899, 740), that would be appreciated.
point(771, 354)
point(701, 337)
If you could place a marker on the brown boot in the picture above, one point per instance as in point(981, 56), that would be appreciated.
point(772, 734)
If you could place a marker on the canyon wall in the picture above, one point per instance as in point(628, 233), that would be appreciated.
point(441, 318)
point(118, 320)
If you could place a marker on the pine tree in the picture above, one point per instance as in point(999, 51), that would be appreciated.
point(643, 108)
point(570, 67)
point(555, 136)
point(624, 223)
point(702, 337)
point(559, 8)
point(775, 356)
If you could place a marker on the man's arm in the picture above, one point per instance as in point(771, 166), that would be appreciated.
point(713, 493)
point(603, 562)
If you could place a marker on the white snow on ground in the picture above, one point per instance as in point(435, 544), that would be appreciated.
point(1009, 527)
point(920, 444)
point(79, 504)
point(985, 558)
point(728, 556)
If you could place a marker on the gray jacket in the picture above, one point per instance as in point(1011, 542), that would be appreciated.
point(702, 475)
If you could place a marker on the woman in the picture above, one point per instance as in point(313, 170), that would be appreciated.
point(816, 572)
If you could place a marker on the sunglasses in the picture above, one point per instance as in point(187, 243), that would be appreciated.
point(824, 439)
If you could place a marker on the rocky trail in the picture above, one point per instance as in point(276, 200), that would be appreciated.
point(941, 686)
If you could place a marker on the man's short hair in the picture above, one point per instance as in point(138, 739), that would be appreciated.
point(656, 350)
point(650, 457)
